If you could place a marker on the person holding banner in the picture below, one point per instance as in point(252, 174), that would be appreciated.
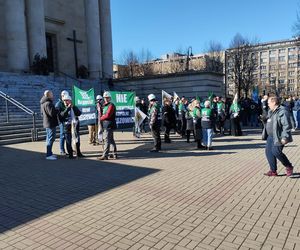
point(61, 107)
point(108, 120)
point(154, 123)
point(71, 126)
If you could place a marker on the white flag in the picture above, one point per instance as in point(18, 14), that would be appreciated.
point(175, 96)
point(139, 116)
point(164, 95)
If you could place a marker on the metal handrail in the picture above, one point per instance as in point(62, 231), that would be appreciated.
point(23, 108)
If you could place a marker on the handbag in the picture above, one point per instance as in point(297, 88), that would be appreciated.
point(264, 134)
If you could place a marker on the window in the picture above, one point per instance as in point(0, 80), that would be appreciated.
point(292, 57)
point(272, 59)
point(281, 73)
point(291, 81)
point(272, 52)
point(281, 81)
point(292, 65)
point(263, 60)
point(263, 54)
point(281, 58)
point(272, 74)
point(272, 67)
point(263, 67)
point(291, 73)
point(264, 75)
point(281, 51)
point(282, 66)
point(292, 49)
point(291, 88)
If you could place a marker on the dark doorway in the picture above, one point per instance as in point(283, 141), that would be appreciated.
point(51, 52)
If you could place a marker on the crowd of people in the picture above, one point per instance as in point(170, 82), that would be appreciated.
point(194, 118)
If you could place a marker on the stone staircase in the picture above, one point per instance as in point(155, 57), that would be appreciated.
point(28, 90)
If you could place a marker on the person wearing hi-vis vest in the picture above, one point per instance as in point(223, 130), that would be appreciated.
point(108, 120)
point(207, 115)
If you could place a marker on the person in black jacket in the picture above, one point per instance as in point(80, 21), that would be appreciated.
point(169, 119)
point(71, 126)
point(50, 121)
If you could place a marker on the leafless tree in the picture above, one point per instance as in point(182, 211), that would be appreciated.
point(242, 64)
point(145, 65)
point(214, 60)
point(130, 63)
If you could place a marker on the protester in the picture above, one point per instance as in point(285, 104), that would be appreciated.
point(108, 120)
point(93, 127)
point(207, 117)
point(50, 122)
point(137, 128)
point(234, 111)
point(61, 107)
point(154, 122)
point(99, 99)
point(181, 111)
point(144, 109)
point(220, 120)
point(168, 119)
point(278, 130)
point(197, 124)
point(289, 105)
point(71, 126)
point(253, 111)
point(296, 112)
point(189, 122)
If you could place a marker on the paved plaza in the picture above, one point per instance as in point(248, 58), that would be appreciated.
point(180, 198)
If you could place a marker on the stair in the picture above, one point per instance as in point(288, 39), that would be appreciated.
point(28, 90)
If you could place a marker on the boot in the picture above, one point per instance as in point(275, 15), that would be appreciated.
point(79, 154)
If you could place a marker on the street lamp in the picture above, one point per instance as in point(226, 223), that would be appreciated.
point(188, 58)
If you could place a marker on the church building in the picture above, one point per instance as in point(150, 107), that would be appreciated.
point(70, 33)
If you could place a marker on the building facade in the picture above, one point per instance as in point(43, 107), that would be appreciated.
point(278, 68)
point(49, 28)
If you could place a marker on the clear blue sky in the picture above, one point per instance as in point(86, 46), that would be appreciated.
point(164, 26)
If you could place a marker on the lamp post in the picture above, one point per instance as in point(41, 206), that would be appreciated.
point(188, 58)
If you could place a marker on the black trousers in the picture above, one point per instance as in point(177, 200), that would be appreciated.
point(235, 126)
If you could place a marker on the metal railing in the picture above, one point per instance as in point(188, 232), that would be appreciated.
point(19, 105)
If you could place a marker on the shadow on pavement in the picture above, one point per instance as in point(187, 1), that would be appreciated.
point(31, 187)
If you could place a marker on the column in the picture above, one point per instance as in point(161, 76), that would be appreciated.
point(106, 38)
point(15, 23)
point(93, 38)
point(36, 28)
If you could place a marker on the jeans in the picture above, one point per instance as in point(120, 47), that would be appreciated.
point(50, 138)
point(253, 120)
point(296, 118)
point(62, 138)
point(274, 152)
point(207, 136)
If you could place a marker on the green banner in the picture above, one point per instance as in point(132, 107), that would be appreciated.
point(125, 107)
point(85, 101)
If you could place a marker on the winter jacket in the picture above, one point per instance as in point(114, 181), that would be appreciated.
point(169, 118)
point(49, 113)
point(153, 116)
point(281, 125)
point(66, 117)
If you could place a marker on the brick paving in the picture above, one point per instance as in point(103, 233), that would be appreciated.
point(181, 198)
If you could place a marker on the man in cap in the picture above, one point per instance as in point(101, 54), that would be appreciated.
point(60, 106)
point(71, 126)
point(50, 121)
point(108, 120)
point(154, 123)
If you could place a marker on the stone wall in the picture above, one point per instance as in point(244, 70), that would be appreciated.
point(186, 84)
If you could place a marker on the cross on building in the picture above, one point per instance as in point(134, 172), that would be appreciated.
point(75, 41)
